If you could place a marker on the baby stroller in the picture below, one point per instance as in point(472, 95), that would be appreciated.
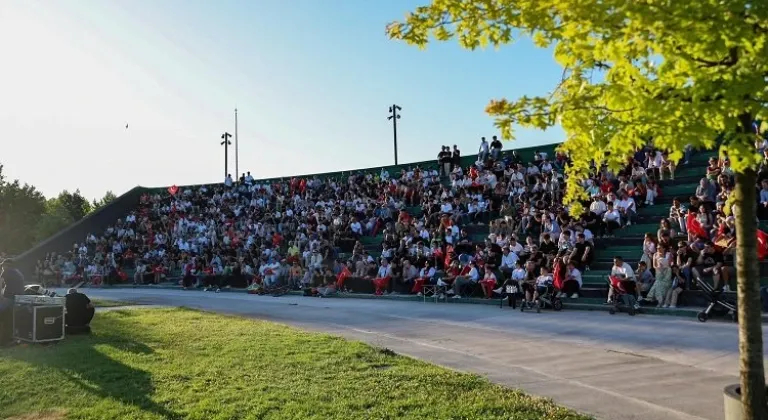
point(718, 303)
point(623, 296)
point(546, 299)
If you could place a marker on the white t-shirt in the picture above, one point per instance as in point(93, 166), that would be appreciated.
point(543, 280)
point(509, 260)
point(575, 274)
point(516, 248)
point(625, 271)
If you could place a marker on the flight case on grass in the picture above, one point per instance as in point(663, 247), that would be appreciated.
point(39, 319)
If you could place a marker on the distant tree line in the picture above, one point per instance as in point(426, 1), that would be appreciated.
point(27, 217)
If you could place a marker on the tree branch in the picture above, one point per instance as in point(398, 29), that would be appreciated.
point(729, 61)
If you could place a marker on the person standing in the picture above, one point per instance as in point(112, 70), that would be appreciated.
point(482, 153)
point(496, 147)
point(456, 158)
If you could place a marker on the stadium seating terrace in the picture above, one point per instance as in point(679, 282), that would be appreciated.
point(464, 226)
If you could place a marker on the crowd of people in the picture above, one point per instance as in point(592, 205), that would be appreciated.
point(698, 239)
point(311, 232)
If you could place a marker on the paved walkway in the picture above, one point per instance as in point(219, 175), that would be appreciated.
point(613, 367)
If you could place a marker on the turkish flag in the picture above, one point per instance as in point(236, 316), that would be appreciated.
point(448, 255)
point(558, 274)
point(694, 226)
point(762, 244)
point(345, 273)
point(173, 189)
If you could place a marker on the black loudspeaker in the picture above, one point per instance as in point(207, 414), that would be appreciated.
point(38, 322)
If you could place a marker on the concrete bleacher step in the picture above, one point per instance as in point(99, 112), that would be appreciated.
point(689, 177)
point(611, 252)
point(680, 189)
point(658, 209)
point(696, 169)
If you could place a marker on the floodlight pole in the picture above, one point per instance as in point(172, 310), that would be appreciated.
point(226, 143)
point(394, 116)
point(237, 157)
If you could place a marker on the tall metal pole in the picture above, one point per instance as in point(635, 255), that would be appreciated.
point(394, 136)
point(394, 116)
point(226, 143)
point(237, 157)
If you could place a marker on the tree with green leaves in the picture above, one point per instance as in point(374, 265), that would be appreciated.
point(109, 197)
point(679, 73)
point(27, 218)
point(56, 218)
point(21, 208)
point(76, 205)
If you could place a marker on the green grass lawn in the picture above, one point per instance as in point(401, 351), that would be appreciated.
point(180, 363)
point(106, 303)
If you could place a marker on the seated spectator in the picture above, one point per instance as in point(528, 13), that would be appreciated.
point(327, 285)
point(652, 192)
point(711, 262)
point(762, 208)
point(678, 285)
point(270, 273)
point(623, 272)
point(138, 275)
point(626, 207)
point(572, 283)
point(409, 275)
point(383, 276)
point(581, 255)
point(425, 276)
point(611, 220)
point(296, 273)
point(470, 278)
point(667, 165)
point(706, 192)
point(508, 262)
point(488, 283)
point(542, 283)
point(452, 271)
point(713, 171)
point(644, 278)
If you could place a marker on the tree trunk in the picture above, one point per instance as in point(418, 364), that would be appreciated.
point(753, 393)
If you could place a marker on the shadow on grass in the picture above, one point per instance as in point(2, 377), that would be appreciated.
point(84, 364)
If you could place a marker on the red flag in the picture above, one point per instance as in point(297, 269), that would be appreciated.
point(762, 244)
point(694, 226)
point(448, 256)
point(345, 273)
point(558, 274)
point(173, 189)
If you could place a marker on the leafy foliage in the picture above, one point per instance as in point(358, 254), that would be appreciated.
point(21, 207)
point(26, 217)
point(678, 73)
point(681, 73)
point(74, 203)
point(109, 197)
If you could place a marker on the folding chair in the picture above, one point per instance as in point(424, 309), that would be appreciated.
point(509, 293)
point(433, 288)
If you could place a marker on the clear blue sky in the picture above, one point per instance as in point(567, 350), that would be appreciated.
point(311, 79)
